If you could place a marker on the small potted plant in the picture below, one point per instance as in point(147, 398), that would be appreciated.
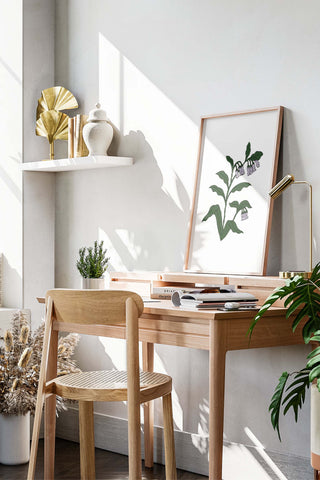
point(20, 359)
point(92, 264)
point(302, 298)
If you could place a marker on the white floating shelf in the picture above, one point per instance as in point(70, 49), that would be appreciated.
point(78, 163)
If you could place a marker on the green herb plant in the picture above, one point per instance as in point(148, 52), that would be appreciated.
point(302, 298)
point(93, 261)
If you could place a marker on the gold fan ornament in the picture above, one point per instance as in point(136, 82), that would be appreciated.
point(54, 126)
point(51, 122)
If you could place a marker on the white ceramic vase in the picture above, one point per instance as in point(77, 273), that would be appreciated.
point(97, 132)
point(94, 283)
point(14, 439)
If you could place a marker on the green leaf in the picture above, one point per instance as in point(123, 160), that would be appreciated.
point(313, 361)
point(315, 373)
point(218, 190)
point(224, 177)
point(314, 352)
point(240, 186)
point(213, 210)
point(248, 150)
point(276, 295)
point(276, 400)
point(230, 225)
point(240, 206)
point(296, 396)
point(255, 156)
point(229, 159)
point(298, 293)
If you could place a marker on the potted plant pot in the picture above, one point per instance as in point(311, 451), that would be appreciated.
point(315, 427)
point(94, 283)
point(14, 439)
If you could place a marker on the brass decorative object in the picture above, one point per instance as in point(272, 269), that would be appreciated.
point(274, 193)
point(80, 148)
point(54, 126)
point(56, 98)
point(51, 122)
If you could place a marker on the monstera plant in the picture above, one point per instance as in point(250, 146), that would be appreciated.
point(302, 298)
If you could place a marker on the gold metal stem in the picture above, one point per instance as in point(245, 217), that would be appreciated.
point(52, 150)
point(310, 218)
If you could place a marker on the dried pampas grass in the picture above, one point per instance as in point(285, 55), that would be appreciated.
point(20, 360)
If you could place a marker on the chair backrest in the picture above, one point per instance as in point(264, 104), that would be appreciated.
point(95, 307)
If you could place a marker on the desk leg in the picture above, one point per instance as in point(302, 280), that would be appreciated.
point(147, 364)
point(217, 354)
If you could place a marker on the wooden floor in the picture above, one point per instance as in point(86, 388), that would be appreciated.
point(109, 466)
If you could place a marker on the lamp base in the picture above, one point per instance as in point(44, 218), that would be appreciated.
point(293, 274)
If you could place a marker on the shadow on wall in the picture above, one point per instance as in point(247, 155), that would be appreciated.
point(149, 230)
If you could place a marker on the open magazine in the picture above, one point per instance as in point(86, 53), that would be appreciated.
point(212, 300)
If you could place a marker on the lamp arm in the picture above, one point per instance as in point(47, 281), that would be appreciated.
point(310, 214)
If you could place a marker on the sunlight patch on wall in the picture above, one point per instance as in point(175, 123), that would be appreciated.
point(117, 263)
point(127, 239)
point(134, 103)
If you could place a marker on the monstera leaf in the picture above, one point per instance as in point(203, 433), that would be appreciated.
point(53, 125)
point(55, 98)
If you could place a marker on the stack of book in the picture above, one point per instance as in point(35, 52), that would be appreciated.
point(165, 292)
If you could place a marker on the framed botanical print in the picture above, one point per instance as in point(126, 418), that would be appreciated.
point(231, 211)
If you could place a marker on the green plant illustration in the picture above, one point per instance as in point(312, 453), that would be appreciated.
point(226, 224)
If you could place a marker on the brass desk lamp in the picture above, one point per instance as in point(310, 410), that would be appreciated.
point(274, 193)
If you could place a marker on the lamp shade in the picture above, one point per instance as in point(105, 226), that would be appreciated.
point(280, 186)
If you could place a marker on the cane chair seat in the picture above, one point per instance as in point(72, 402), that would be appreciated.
point(108, 385)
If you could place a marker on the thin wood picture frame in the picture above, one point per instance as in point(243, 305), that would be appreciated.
point(238, 152)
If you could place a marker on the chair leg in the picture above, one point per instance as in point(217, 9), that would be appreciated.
point(49, 436)
point(86, 431)
point(171, 472)
point(35, 439)
point(316, 474)
point(134, 435)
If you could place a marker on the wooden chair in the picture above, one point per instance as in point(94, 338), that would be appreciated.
point(89, 311)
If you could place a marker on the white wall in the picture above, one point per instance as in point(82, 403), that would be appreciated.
point(38, 188)
point(26, 67)
point(157, 67)
point(11, 151)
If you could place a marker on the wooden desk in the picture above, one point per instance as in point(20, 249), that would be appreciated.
point(216, 331)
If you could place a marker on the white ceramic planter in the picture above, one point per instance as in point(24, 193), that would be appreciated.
point(315, 427)
point(94, 283)
point(14, 439)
